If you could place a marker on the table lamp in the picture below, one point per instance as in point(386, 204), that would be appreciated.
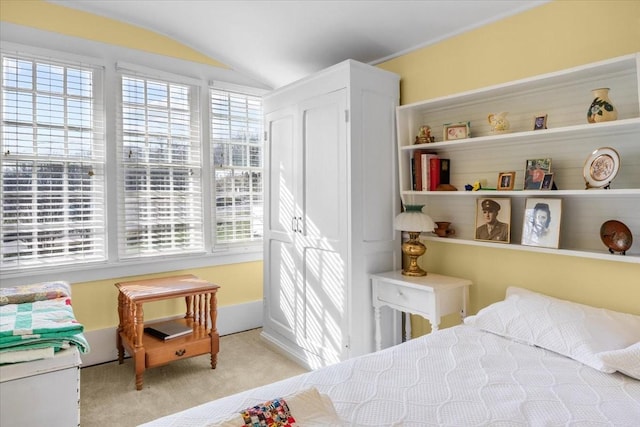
point(413, 221)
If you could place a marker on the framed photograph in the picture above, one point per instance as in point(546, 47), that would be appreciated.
point(540, 122)
point(534, 172)
point(493, 220)
point(547, 181)
point(541, 223)
point(506, 180)
point(453, 131)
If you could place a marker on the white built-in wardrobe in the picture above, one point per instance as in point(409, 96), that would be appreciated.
point(330, 199)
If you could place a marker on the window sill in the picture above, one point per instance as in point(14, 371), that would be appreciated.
point(104, 271)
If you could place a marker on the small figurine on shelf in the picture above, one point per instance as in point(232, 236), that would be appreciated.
point(499, 122)
point(424, 135)
point(475, 187)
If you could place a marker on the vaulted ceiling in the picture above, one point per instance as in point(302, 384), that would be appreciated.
point(277, 42)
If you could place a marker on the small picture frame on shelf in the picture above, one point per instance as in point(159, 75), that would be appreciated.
point(534, 172)
point(493, 220)
point(506, 180)
point(540, 122)
point(452, 131)
point(541, 223)
point(547, 181)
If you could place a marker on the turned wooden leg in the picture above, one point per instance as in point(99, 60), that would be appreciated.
point(138, 352)
point(215, 337)
point(120, 328)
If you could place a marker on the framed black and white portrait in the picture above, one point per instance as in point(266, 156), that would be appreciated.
point(541, 223)
point(493, 220)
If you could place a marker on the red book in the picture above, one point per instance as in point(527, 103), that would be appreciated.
point(434, 173)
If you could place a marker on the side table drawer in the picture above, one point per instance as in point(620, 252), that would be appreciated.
point(406, 299)
point(169, 352)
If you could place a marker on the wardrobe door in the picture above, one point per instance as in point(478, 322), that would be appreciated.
point(281, 262)
point(324, 236)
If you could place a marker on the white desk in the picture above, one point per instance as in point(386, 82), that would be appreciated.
point(431, 296)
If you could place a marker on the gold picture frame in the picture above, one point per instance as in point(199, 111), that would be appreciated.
point(453, 131)
point(506, 180)
point(540, 122)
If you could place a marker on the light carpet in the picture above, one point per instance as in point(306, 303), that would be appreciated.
point(108, 396)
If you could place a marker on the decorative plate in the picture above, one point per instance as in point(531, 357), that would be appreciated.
point(616, 236)
point(601, 167)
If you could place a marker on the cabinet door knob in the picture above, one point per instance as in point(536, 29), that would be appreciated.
point(400, 294)
point(181, 352)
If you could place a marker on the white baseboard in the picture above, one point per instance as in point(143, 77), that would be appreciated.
point(231, 319)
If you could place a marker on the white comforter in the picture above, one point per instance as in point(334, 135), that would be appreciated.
point(460, 376)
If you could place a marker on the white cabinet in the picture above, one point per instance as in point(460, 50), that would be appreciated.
point(43, 392)
point(565, 97)
point(330, 198)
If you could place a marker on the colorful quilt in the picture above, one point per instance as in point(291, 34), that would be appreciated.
point(41, 323)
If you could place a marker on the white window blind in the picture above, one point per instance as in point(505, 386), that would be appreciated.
point(237, 147)
point(160, 210)
point(52, 163)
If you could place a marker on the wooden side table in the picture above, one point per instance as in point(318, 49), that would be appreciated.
point(431, 296)
point(148, 351)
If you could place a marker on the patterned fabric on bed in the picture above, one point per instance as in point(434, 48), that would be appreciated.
point(274, 413)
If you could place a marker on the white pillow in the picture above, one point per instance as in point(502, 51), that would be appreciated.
point(626, 360)
point(574, 330)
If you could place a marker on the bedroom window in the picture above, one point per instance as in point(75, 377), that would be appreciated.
point(237, 147)
point(160, 191)
point(52, 163)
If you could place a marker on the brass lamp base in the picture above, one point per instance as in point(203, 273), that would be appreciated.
point(413, 249)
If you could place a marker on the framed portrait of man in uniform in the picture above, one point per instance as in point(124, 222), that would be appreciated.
point(493, 220)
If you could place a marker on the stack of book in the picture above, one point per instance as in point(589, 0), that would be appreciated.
point(168, 329)
point(428, 170)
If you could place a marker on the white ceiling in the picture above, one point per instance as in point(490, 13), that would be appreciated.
point(277, 42)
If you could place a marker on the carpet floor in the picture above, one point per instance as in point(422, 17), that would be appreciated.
point(108, 396)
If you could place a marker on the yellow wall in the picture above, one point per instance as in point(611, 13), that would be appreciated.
point(63, 20)
point(551, 37)
point(95, 303)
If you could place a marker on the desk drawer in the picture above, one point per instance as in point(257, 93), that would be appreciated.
point(406, 299)
point(169, 351)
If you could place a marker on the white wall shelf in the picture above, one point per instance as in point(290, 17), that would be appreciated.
point(565, 97)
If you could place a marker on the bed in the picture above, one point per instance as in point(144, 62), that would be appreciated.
point(528, 360)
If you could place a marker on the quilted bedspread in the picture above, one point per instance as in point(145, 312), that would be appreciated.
point(40, 324)
point(460, 376)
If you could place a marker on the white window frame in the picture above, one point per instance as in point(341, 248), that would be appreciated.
point(76, 129)
point(109, 58)
point(238, 189)
point(160, 149)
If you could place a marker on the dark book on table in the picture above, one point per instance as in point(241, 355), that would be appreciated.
point(168, 329)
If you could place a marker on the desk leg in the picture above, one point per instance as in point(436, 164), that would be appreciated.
point(119, 346)
point(138, 351)
point(376, 315)
point(215, 337)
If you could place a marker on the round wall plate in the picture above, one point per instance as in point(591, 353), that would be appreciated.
point(601, 167)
